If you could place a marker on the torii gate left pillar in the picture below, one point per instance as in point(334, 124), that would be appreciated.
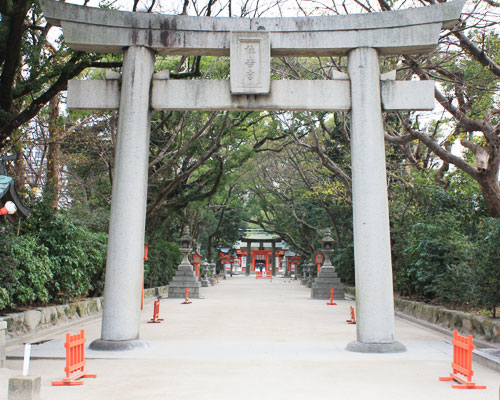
point(121, 313)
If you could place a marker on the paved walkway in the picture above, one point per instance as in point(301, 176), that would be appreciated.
point(255, 339)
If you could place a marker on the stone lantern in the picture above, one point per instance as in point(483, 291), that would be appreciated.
point(185, 242)
point(305, 269)
point(327, 242)
point(307, 275)
point(184, 276)
point(327, 278)
point(311, 275)
point(288, 254)
point(213, 272)
point(204, 274)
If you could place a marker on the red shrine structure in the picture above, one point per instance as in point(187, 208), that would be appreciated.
point(258, 250)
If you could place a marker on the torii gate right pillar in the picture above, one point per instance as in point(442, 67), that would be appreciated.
point(372, 249)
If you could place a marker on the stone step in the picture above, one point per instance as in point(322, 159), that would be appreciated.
point(325, 294)
point(327, 280)
point(179, 293)
point(327, 275)
point(328, 285)
point(184, 284)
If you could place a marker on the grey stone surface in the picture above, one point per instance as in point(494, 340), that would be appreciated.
point(32, 319)
point(487, 357)
point(49, 315)
point(327, 280)
point(183, 279)
point(3, 334)
point(24, 388)
point(406, 31)
point(372, 249)
point(235, 333)
point(121, 314)
point(481, 327)
point(395, 95)
point(103, 95)
point(284, 95)
point(360, 347)
point(249, 260)
point(250, 63)
point(118, 345)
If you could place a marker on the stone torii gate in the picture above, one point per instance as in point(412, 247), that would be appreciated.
point(250, 43)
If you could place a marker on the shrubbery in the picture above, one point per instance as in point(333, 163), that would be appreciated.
point(163, 258)
point(445, 247)
point(51, 260)
point(55, 260)
point(25, 271)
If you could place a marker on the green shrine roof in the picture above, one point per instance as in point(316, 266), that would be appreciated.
point(5, 183)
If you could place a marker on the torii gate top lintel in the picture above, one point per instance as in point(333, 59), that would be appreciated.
point(94, 29)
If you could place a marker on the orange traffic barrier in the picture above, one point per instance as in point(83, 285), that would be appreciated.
point(331, 303)
point(75, 360)
point(353, 316)
point(462, 363)
point(258, 275)
point(156, 313)
point(269, 274)
point(186, 297)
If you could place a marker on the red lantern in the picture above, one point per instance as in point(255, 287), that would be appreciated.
point(319, 261)
point(196, 261)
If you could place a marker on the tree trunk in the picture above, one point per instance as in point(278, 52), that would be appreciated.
point(491, 194)
point(53, 154)
point(20, 170)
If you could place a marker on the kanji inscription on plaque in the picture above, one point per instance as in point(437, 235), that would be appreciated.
point(250, 63)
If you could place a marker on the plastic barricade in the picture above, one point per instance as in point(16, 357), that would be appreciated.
point(75, 361)
point(156, 313)
point(462, 363)
point(353, 316)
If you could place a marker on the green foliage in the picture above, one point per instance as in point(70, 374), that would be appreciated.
point(433, 236)
point(25, 271)
point(33, 274)
point(433, 252)
point(78, 255)
point(343, 260)
point(487, 266)
point(52, 260)
point(163, 258)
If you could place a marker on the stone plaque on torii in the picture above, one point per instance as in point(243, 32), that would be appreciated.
point(250, 43)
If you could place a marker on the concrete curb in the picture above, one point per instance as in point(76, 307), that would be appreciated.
point(486, 352)
point(21, 328)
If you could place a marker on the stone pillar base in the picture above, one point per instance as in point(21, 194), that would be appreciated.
point(24, 388)
point(327, 280)
point(184, 279)
point(118, 345)
point(3, 332)
point(359, 347)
